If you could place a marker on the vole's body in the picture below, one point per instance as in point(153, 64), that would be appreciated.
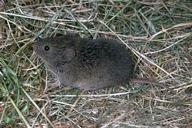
point(85, 63)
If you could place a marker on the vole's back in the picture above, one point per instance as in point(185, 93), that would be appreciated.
point(101, 63)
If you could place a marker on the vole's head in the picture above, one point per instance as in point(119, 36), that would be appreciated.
point(57, 50)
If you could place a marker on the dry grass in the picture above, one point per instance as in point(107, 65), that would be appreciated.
point(159, 32)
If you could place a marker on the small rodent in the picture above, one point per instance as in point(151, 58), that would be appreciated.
point(87, 64)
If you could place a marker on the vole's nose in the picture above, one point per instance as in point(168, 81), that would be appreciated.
point(33, 44)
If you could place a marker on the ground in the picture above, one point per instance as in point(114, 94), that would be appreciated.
point(159, 32)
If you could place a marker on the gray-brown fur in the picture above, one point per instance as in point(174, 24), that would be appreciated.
point(88, 64)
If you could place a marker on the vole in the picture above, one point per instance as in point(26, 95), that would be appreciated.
point(88, 64)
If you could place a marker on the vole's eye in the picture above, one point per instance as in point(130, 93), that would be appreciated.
point(46, 48)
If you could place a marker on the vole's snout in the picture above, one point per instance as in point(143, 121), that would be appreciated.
point(34, 43)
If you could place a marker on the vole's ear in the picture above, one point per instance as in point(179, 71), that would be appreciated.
point(74, 38)
point(69, 54)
